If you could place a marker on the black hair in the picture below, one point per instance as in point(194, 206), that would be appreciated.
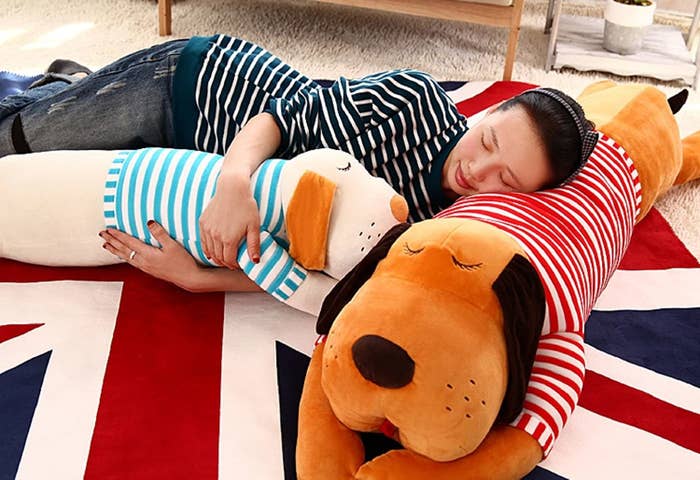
point(557, 129)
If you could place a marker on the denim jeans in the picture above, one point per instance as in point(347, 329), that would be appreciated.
point(127, 104)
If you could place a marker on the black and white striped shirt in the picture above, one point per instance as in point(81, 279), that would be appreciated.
point(400, 124)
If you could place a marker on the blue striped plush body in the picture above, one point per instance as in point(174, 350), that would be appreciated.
point(173, 187)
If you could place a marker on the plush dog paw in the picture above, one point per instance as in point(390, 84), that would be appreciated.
point(399, 464)
point(506, 453)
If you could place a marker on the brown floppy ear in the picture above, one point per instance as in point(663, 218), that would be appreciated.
point(520, 292)
point(346, 288)
point(308, 218)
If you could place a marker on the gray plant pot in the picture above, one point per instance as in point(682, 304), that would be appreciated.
point(621, 39)
point(625, 26)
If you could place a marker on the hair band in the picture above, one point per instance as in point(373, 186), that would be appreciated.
point(589, 137)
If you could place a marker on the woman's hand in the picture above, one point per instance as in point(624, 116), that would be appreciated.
point(221, 231)
point(171, 263)
point(233, 214)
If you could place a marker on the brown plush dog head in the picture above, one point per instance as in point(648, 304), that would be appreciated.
point(438, 340)
point(640, 118)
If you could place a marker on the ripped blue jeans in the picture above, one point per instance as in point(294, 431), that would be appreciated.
point(127, 104)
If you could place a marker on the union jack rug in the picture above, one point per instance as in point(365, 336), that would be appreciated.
point(106, 373)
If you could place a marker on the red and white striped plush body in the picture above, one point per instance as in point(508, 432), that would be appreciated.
point(575, 237)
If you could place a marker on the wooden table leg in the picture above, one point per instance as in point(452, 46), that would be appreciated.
point(514, 32)
point(164, 17)
point(551, 48)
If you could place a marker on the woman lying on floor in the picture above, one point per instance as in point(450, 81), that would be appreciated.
point(225, 95)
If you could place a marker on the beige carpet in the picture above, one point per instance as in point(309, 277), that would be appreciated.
point(323, 41)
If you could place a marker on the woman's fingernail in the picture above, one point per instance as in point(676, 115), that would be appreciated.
point(256, 259)
point(104, 245)
point(150, 223)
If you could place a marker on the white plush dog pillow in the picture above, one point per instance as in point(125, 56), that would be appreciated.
point(320, 211)
point(52, 208)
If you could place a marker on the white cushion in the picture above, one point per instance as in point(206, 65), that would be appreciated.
point(51, 207)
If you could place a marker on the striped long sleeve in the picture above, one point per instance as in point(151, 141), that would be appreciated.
point(575, 237)
point(396, 123)
point(220, 83)
point(400, 124)
point(277, 273)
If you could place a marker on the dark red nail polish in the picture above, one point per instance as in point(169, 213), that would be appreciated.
point(150, 222)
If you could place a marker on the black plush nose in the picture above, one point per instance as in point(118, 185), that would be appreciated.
point(382, 362)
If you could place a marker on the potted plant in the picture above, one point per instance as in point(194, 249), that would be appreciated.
point(625, 23)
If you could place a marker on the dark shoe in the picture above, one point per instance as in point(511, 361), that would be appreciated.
point(54, 77)
point(61, 71)
point(67, 67)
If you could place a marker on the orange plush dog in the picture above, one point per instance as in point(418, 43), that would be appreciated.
point(639, 118)
point(479, 305)
point(435, 345)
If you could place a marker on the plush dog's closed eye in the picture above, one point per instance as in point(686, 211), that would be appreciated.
point(466, 266)
point(346, 167)
point(409, 251)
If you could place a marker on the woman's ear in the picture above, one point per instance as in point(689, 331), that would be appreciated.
point(346, 288)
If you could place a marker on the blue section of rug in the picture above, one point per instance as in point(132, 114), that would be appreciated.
point(13, 83)
point(19, 394)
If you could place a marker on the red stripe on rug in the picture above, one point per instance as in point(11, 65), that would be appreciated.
point(628, 405)
point(159, 410)
point(11, 331)
point(11, 271)
point(495, 93)
point(649, 237)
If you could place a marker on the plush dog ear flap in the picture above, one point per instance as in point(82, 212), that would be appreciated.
point(346, 288)
point(520, 292)
point(308, 219)
point(677, 101)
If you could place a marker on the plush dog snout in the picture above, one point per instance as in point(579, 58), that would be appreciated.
point(382, 362)
point(399, 208)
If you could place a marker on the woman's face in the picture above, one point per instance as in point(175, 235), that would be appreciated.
point(501, 153)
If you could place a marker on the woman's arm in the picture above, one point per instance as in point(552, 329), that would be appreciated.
point(221, 233)
point(173, 263)
point(222, 280)
point(310, 118)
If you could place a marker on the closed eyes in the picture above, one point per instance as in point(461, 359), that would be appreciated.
point(483, 141)
point(466, 266)
point(345, 168)
point(493, 145)
point(409, 251)
point(503, 181)
point(470, 267)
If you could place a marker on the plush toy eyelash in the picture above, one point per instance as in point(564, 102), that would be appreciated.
point(345, 168)
point(409, 251)
point(465, 266)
